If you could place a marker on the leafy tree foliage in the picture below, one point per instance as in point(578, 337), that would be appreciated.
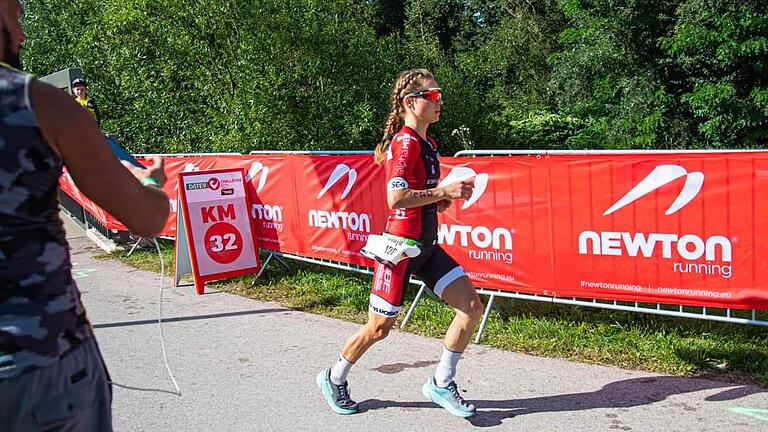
point(239, 75)
point(720, 48)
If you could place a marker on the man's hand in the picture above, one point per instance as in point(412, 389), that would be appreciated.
point(155, 171)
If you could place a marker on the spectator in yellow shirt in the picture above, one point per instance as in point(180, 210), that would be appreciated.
point(80, 89)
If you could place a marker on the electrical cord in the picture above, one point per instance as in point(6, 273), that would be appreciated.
point(162, 338)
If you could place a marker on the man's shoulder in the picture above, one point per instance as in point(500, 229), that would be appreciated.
point(47, 93)
point(55, 109)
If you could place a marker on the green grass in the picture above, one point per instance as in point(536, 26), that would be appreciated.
point(688, 347)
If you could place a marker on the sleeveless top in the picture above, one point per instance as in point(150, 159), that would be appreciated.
point(41, 316)
point(412, 163)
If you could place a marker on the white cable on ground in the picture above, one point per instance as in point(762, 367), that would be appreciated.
point(162, 338)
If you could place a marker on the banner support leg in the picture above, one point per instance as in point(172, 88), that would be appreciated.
point(282, 261)
point(487, 313)
point(263, 267)
point(413, 305)
point(135, 245)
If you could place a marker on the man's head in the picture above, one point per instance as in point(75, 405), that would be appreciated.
point(11, 35)
point(79, 87)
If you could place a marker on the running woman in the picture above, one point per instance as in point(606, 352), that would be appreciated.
point(413, 172)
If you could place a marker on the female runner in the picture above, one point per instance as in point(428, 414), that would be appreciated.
point(413, 172)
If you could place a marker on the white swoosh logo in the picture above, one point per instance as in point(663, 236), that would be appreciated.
point(464, 173)
point(188, 167)
point(257, 167)
point(660, 176)
point(336, 175)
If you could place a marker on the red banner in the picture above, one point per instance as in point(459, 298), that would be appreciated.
point(341, 200)
point(500, 235)
point(67, 185)
point(272, 189)
point(658, 228)
point(678, 229)
point(683, 229)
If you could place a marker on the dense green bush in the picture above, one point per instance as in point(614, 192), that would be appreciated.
point(238, 75)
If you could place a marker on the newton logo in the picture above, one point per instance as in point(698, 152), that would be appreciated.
point(338, 173)
point(465, 173)
point(254, 170)
point(659, 177)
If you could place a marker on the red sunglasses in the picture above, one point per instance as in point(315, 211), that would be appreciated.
point(433, 95)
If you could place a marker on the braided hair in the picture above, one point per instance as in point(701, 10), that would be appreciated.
point(407, 82)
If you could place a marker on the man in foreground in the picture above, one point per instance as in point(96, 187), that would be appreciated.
point(52, 376)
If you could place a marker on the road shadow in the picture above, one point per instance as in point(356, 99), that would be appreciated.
point(619, 394)
point(189, 318)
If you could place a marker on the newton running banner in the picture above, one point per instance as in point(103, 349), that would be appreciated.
point(682, 228)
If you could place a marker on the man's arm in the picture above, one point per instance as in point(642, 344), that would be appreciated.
point(72, 132)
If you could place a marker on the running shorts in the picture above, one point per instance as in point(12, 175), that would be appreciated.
point(433, 266)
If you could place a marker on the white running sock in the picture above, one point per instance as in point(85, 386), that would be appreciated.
point(446, 369)
point(340, 370)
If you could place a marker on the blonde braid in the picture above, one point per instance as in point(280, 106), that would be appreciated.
point(407, 82)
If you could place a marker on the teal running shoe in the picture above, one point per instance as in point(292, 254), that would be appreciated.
point(448, 398)
point(337, 396)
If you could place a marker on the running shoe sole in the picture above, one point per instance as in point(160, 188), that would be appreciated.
point(325, 388)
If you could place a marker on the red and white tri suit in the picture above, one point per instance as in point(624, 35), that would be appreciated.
point(412, 163)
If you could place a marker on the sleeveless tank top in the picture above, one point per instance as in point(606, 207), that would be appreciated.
point(41, 316)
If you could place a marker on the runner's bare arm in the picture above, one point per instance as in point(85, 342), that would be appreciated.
point(73, 133)
point(408, 198)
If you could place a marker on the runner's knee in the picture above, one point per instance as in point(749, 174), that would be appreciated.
point(475, 309)
point(472, 309)
point(377, 332)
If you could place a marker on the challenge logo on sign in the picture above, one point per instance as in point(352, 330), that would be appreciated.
point(359, 223)
point(483, 243)
point(686, 248)
point(214, 183)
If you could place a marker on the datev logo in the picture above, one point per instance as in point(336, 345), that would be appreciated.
point(659, 177)
point(254, 170)
point(340, 171)
point(464, 173)
point(345, 220)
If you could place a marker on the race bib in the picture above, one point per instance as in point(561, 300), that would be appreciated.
point(390, 250)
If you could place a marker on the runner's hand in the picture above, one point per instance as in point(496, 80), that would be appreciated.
point(443, 205)
point(461, 189)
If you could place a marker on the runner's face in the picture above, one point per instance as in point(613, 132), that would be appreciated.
point(424, 109)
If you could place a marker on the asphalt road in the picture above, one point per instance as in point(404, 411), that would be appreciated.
point(245, 365)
